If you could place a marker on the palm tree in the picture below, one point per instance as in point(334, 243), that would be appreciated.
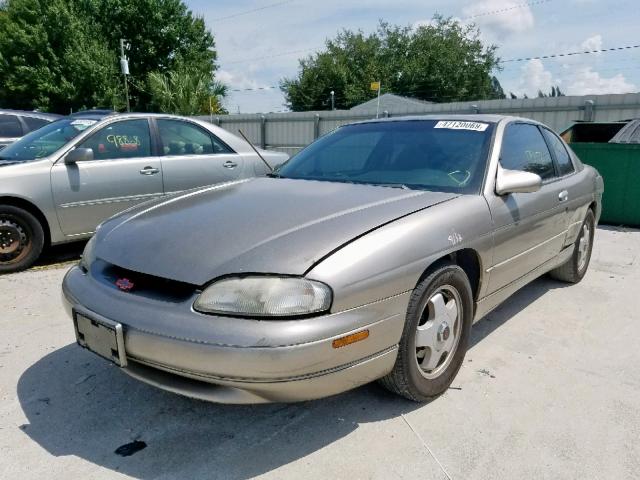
point(185, 92)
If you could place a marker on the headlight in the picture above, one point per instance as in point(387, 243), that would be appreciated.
point(262, 296)
point(87, 255)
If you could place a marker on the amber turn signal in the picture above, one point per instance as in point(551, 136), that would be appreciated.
point(349, 339)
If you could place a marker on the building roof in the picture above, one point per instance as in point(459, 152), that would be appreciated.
point(391, 103)
point(630, 133)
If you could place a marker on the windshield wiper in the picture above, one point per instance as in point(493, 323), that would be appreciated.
point(390, 185)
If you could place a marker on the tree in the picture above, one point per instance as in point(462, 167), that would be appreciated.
point(50, 59)
point(186, 92)
point(555, 92)
point(163, 35)
point(441, 61)
point(58, 55)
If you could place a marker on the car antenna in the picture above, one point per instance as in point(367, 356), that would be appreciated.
point(255, 150)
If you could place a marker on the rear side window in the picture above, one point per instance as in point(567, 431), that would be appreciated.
point(125, 139)
point(524, 148)
point(10, 126)
point(185, 138)
point(34, 123)
point(565, 166)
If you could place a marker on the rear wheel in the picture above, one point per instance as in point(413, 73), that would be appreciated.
point(435, 337)
point(21, 239)
point(576, 267)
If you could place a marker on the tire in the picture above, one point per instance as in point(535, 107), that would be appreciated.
point(576, 267)
point(411, 376)
point(21, 239)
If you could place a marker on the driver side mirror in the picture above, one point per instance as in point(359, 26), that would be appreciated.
point(516, 181)
point(79, 155)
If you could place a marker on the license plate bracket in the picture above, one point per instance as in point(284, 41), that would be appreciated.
point(101, 336)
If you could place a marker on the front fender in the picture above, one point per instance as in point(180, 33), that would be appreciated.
point(391, 259)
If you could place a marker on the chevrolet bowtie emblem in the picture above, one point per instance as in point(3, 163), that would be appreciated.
point(124, 284)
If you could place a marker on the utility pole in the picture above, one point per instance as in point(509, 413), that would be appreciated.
point(333, 100)
point(124, 67)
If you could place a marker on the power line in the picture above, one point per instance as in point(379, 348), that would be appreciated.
point(569, 54)
point(253, 10)
point(603, 62)
point(504, 10)
point(254, 89)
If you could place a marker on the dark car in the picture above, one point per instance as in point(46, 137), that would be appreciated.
point(16, 123)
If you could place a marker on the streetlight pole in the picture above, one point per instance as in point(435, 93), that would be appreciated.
point(333, 100)
point(124, 66)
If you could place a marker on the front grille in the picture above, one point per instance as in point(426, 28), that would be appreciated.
point(143, 284)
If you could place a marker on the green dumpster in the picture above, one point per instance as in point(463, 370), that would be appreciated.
point(618, 163)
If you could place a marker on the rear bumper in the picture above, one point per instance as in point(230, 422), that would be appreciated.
point(268, 361)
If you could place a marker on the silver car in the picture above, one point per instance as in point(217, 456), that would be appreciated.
point(16, 123)
point(366, 256)
point(59, 182)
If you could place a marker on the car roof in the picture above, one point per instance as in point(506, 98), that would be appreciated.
point(30, 113)
point(469, 117)
point(104, 114)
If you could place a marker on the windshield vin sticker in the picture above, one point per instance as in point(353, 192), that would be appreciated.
point(456, 125)
point(83, 124)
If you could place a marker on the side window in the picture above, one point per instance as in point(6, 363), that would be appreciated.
point(10, 126)
point(185, 138)
point(565, 165)
point(34, 123)
point(523, 148)
point(126, 139)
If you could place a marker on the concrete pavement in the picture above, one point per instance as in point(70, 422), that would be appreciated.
point(550, 389)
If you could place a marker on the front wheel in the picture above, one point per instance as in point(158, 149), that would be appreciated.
point(436, 334)
point(576, 267)
point(21, 239)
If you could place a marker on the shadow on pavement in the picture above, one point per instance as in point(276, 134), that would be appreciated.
point(77, 404)
point(66, 252)
point(517, 302)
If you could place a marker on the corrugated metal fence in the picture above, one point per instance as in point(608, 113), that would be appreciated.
point(289, 132)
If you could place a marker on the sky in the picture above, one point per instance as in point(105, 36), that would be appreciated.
point(259, 42)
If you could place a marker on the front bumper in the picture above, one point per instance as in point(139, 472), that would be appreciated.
point(235, 360)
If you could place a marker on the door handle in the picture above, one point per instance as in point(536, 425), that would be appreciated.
point(229, 164)
point(563, 196)
point(149, 171)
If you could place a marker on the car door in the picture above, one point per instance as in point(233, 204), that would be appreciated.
point(528, 227)
point(125, 170)
point(10, 129)
point(194, 157)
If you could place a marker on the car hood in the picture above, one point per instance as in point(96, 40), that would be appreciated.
point(260, 225)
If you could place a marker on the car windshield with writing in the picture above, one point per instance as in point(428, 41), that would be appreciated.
point(46, 140)
point(436, 155)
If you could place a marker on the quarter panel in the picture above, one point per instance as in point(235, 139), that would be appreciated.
point(581, 193)
point(391, 259)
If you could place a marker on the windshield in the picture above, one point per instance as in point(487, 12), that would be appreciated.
point(46, 140)
point(446, 156)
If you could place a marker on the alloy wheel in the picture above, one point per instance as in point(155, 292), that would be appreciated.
point(438, 332)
